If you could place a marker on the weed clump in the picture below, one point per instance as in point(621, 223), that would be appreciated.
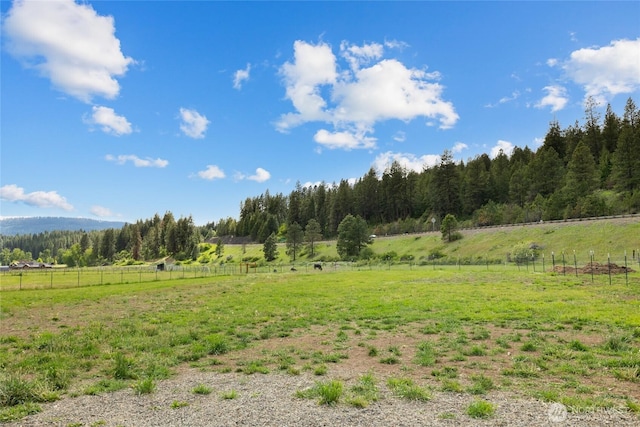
point(481, 409)
point(405, 388)
point(327, 393)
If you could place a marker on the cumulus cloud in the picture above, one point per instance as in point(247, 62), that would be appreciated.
point(101, 211)
point(40, 199)
point(109, 121)
point(193, 124)
point(606, 71)
point(408, 161)
point(211, 172)
point(137, 161)
point(458, 147)
point(68, 43)
point(373, 89)
point(345, 140)
point(556, 98)
point(261, 175)
point(357, 56)
point(240, 76)
point(505, 146)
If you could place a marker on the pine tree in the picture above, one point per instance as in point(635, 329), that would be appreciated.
point(582, 176)
point(295, 237)
point(270, 248)
point(312, 234)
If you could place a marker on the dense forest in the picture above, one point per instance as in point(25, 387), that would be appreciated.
point(584, 170)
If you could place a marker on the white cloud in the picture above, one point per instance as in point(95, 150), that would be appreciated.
point(505, 99)
point(110, 121)
point(406, 160)
point(101, 211)
point(310, 184)
point(354, 100)
point(137, 161)
point(313, 67)
point(211, 172)
point(261, 175)
point(356, 56)
point(345, 140)
point(68, 43)
point(400, 136)
point(606, 71)
point(193, 123)
point(458, 147)
point(556, 98)
point(505, 146)
point(240, 76)
point(41, 199)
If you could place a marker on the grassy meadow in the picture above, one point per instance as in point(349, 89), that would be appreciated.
point(418, 329)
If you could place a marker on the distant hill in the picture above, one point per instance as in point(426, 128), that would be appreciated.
point(34, 225)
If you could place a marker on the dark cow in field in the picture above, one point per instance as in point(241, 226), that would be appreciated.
point(317, 266)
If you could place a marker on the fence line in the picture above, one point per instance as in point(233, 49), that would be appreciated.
point(601, 268)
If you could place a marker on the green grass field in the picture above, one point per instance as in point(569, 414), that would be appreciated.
point(421, 328)
point(554, 337)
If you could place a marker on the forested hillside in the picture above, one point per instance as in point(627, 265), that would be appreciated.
point(584, 170)
point(34, 225)
point(579, 171)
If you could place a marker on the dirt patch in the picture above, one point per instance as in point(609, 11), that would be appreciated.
point(594, 268)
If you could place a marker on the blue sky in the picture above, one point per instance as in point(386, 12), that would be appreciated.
point(118, 110)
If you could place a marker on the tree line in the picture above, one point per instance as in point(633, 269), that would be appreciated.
point(143, 240)
point(583, 170)
point(579, 171)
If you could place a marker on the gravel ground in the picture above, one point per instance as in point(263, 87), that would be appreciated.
point(269, 400)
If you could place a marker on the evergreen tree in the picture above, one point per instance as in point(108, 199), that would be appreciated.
point(546, 172)
point(500, 176)
point(219, 248)
point(108, 245)
point(312, 234)
point(448, 227)
point(270, 248)
point(626, 160)
point(610, 130)
point(295, 237)
point(582, 176)
point(475, 185)
point(554, 139)
point(593, 135)
point(353, 235)
point(446, 186)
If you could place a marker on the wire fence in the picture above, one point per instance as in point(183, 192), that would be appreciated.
point(595, 268)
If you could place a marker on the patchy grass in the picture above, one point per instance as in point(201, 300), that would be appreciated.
point(405, 388)
point(481, 409)
point(472, 330)
point(327, 392)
